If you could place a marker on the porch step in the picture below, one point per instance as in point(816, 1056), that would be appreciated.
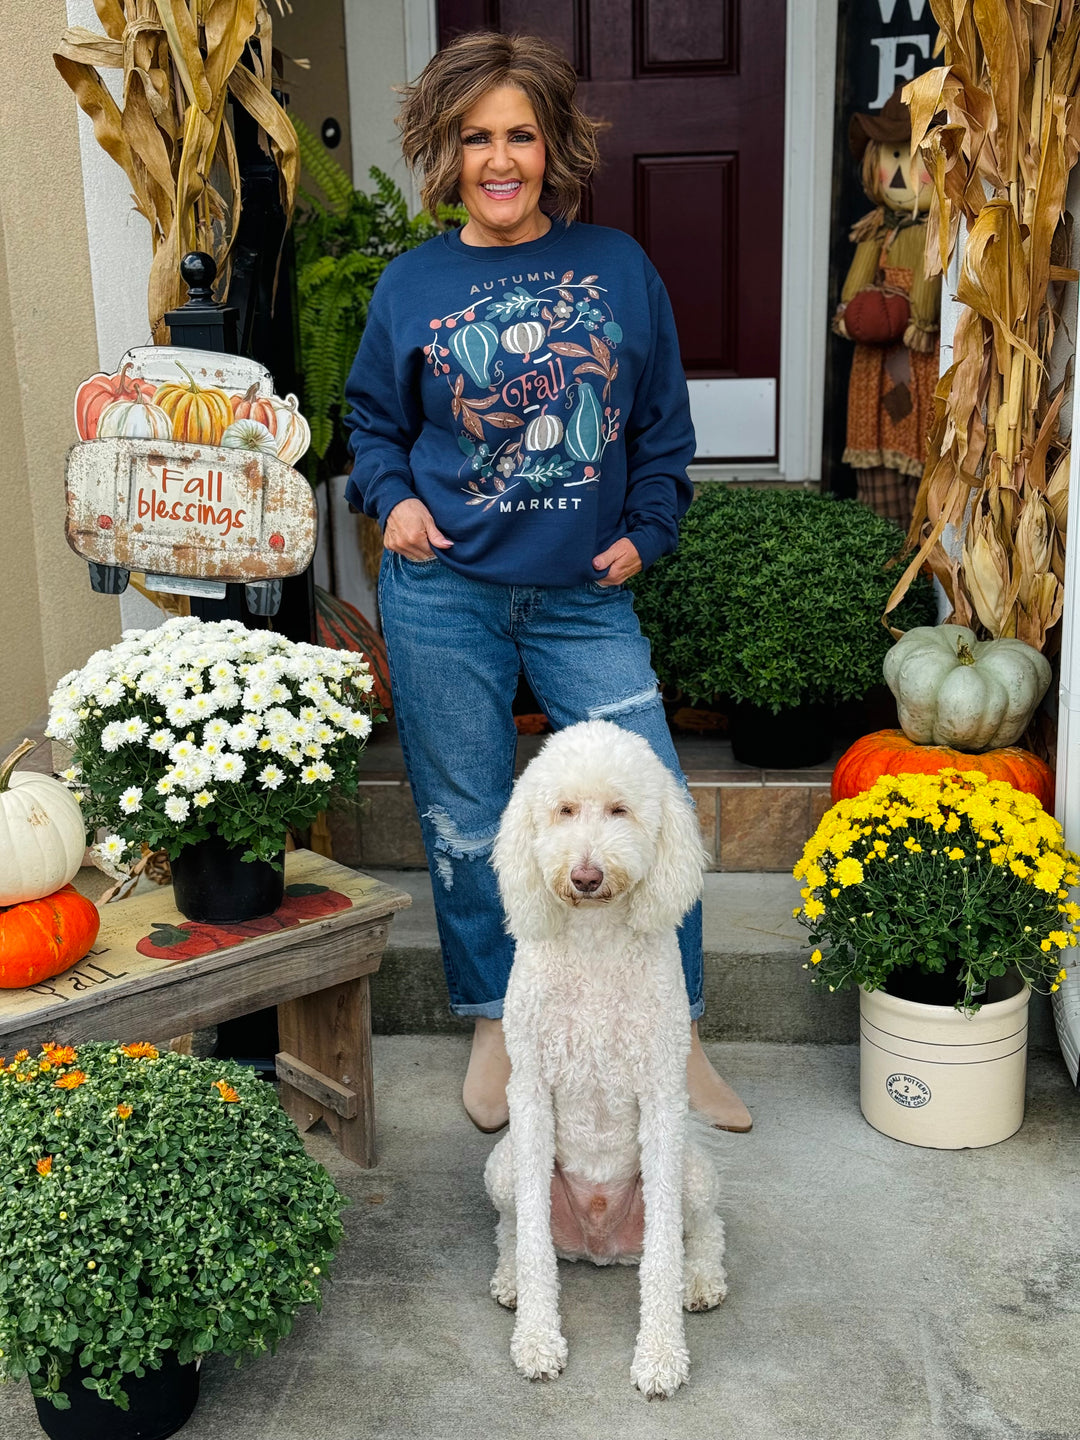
point(755, 987)
point(751, 820)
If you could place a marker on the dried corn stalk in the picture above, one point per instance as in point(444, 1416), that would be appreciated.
point(181, 61)
point(997, 469)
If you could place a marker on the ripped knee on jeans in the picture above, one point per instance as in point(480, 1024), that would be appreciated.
point(452, 843)
point(641, 701)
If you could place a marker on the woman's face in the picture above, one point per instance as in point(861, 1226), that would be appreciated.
point(502, 167)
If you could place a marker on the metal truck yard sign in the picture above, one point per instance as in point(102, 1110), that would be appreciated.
point(183, 471)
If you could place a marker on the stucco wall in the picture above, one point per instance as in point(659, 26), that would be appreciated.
point(47, 346)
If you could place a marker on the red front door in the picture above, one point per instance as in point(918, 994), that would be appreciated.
point(693, 91)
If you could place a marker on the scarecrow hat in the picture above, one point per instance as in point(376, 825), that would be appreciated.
point(891, 124)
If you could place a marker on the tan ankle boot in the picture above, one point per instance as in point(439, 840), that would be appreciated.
point(709, 1094)
point(484, 1090)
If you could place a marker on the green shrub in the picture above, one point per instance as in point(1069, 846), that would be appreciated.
point(775, 598)
point(150, 1202)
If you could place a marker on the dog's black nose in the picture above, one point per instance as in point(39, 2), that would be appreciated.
point(587, 878)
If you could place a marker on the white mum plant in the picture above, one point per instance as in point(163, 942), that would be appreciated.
point(195, 727)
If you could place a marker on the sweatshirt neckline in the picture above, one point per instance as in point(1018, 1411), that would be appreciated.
point(498, 254)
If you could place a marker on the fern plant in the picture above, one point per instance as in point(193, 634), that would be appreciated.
point(343, 244)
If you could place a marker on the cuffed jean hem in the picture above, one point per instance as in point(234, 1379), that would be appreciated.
point(697, 1010)
point(490, 1010)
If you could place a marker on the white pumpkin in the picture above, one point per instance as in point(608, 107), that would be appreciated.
point(524, 338)
point(42, 834)
point(952, 689)
point(543, 433)
point(249, 435)
point(293, 431)
point(138, 419)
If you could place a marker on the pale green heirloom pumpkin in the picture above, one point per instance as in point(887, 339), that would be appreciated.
point(952, 689)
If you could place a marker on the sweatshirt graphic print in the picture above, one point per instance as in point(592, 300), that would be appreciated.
point(531, 396)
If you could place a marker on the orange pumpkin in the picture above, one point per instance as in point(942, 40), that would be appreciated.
point(95, 394)
point(199, 415)
point(39, 938)
point(254, 406)
point(890, 752)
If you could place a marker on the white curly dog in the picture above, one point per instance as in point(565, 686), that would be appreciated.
point(599, 857)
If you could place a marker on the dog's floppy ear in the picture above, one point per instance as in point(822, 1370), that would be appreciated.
point(666, 893)
point(532, 911)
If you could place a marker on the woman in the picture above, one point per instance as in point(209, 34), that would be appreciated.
point(521, 430)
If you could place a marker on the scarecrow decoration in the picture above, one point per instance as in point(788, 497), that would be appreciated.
point(891, 310)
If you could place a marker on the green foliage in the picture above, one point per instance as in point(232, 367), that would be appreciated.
point(775, 598)
point(342, 247)
point(195, 1223)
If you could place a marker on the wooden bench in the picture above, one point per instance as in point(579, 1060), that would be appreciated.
point(152, 973)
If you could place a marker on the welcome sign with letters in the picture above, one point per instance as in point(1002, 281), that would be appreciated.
point(183, 472)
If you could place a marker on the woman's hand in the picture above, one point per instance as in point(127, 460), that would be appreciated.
point(411, 531)
point(623, 560)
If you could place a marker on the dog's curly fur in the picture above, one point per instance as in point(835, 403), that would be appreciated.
point(597, 1163)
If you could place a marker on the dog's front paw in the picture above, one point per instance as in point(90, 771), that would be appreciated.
point(659, 1367)
point(538, 1354)
point(504, 1287)
point(703, 1286)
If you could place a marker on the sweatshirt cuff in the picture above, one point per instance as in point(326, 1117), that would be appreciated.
point(380, 496)
point(649, 544)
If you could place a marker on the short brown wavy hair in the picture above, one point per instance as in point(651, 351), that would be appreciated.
point(452, 82)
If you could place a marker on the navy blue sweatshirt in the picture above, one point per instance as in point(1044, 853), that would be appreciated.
point(531, 396)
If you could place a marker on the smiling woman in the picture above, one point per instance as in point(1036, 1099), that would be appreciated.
point(502, 369)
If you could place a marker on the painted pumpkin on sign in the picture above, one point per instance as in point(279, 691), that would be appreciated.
point(543, 433)
point(253, 406)
point(474, 347)
point(199, 414)
point(249, 435)
point(524, 338)
point(137, 419)
point(584, 432)
point(292, 431)
point(95, 394)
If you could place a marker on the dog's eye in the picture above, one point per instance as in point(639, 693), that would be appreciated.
point(618, 810)
point(565, 812)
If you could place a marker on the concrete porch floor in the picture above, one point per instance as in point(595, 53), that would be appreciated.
point(877, 1290)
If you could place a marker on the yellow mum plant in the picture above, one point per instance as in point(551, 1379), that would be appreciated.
point(952, 874)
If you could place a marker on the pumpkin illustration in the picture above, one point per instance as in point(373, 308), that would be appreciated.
point(474, 348)
point(952, 689)
point(292, 430)
point(138, 419)
point(253, 406)
point(524, 338)
point(584, 432)
point(95, 394)
point(40, 938)
point(199, 414)
point(249, 435)
point(543, 433)
point(42, 834)
point(890, 752)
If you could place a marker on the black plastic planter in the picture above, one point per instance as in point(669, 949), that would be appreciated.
point(790, 740)
point(211, 883)
point(160, 1404)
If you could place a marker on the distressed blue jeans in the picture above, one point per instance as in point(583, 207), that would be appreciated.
point(456, 647)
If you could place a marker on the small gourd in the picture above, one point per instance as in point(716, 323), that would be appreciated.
point(249, 435)
point(524, 338)
point(138, 419)
point(291, 429)
point(253, 406)
point(973, 695)
point(543, 433)
point(40, 938)
point(584, 430)
point(42, 833)
point(474, 347)
point(199, 414)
